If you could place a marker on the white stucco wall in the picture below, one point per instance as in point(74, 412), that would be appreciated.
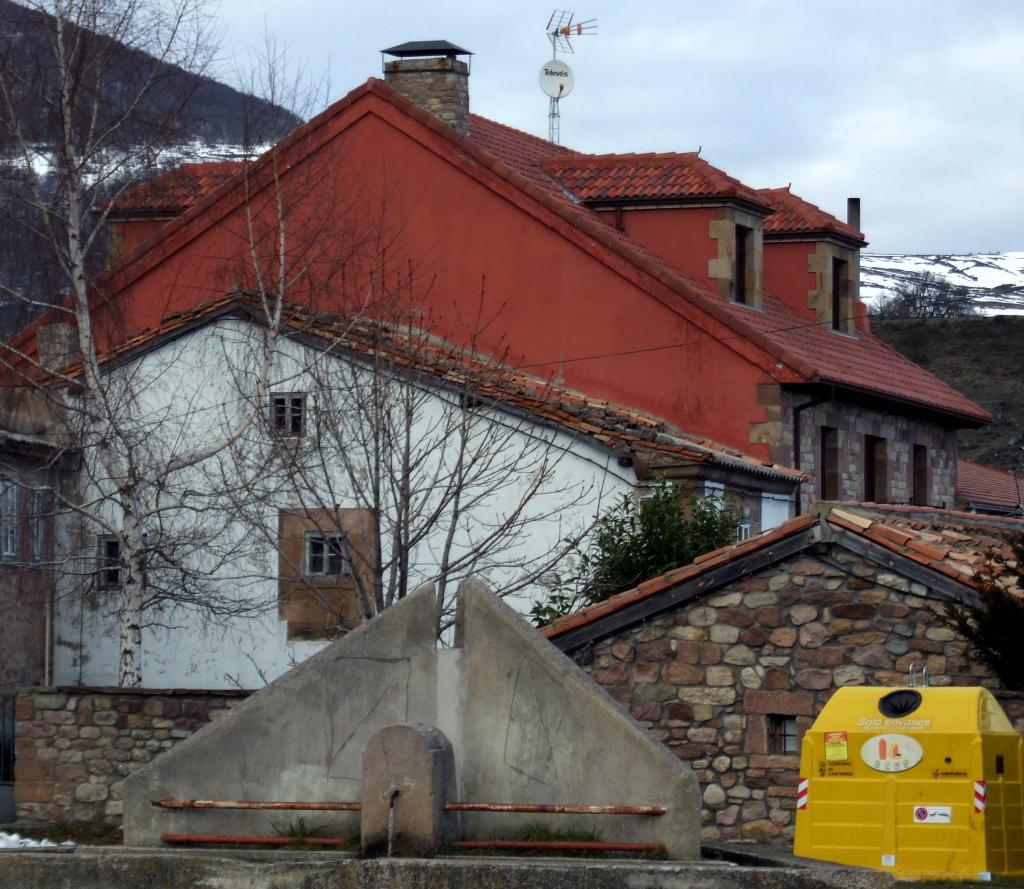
point(186, 394)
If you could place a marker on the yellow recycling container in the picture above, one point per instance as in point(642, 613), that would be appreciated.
point(920, 782)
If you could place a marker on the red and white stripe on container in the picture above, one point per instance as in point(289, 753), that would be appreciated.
point(801, 794)
point(980, 795)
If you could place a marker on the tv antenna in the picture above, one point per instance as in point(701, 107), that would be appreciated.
point(556, 78)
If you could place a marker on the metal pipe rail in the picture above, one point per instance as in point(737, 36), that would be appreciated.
point(227, 839)
point(559, 845)
point(529, 808)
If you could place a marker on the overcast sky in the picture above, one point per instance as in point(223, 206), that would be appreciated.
point(916, 106)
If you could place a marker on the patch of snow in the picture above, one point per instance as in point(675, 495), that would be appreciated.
point(14, 841)
point(995, 281)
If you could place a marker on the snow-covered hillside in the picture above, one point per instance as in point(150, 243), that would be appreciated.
point(995, 280)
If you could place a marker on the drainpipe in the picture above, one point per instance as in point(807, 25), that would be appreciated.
point(799, 409)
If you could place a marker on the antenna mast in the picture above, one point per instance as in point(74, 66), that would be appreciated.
point(556, 77)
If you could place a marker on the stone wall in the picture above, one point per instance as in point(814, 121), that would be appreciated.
point(853, 422)
point(74, 746)
point(711, 678)
point(437, 85)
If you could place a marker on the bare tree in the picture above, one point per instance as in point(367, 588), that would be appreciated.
point(925, 296)
point(415, 461)
point(112, 79)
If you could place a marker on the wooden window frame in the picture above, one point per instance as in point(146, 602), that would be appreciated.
point(108, 563)
point(828, 454)
point(782, 735)
point(288, 414)
point(840, 294)
point(919, 476)
point(330, 550)
point(876, 469)
point(743, 247)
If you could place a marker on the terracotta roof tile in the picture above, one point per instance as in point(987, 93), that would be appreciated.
point(645, 177)
point(984, 485)
point(176, 191)
point(795, 215)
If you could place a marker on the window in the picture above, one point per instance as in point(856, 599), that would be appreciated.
point(744, 240)
point(919, 495)
point(286, 414)
point(840, 294)
point(828, 475)
point(108, 563)
point(8, 520)
point(37, 528)
point(326, 555)
point(876, 483)
point(743, 531)
point(782, 735)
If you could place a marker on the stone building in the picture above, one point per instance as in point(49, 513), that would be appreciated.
point(729, 660)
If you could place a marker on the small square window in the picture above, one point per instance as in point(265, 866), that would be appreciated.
point(326, 556)
point(108, 567)
point(782, 735)
point(287, 414)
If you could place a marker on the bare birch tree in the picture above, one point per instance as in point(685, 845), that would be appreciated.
point(110, 82)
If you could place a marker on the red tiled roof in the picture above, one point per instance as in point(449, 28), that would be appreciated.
point(646, 177)
point(818, 353)
point(787, 342)
point(979, 484)
point(623, 430)
point(177, 190)
point(794, 214)
point(957, 545)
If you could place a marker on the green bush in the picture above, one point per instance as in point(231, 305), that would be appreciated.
point(635, 541)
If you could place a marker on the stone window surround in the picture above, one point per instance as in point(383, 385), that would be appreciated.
point(721, 269)
point(820, 264)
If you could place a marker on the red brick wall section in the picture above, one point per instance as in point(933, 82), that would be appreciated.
point(74, 747)
point(706, 679)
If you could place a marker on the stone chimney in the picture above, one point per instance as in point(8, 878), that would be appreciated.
point(429, 73)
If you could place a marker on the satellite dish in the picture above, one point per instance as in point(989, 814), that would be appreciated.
point(556, 79)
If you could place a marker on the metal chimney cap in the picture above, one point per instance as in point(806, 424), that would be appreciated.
point(422, 48)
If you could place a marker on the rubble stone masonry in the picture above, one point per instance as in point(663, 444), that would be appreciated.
point(710, 678)
point(74, 747)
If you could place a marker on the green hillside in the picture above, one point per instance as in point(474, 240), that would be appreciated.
point(983, 357)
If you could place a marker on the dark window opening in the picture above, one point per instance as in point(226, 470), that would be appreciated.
point(326, 555)
point(876, 488)
point(829, 474)
point(37, 528)
point(782, 735)
point(744, 237)
point(840, 293)
point(286, 414)
point(8, 520)
point(108, 572)
point(920, 479)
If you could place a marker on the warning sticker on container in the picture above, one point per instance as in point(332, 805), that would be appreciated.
point(837, 748)
point(888, 861)
point(933, 814)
